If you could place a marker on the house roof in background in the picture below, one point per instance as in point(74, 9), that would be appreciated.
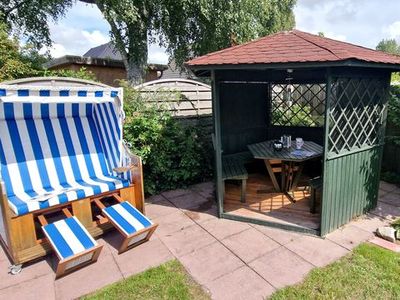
point(106, 51)
point(94, 61)
point(292, 47)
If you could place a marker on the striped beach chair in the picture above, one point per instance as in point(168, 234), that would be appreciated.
point(131, 223)
point(73, 244)
point(61, 148)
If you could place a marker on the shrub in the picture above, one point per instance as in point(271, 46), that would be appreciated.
point(174, 155)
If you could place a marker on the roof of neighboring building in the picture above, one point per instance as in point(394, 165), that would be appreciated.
point(173, 71)
point(80, 60)
point(104, 51)
point(94, 61)
point(292, 47)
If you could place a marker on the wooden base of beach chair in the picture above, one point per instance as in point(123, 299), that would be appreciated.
point(78, 261)
point(135, 227)
point(136, 239)
point(74, 246)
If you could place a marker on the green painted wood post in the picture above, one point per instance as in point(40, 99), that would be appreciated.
point(325, 186)
point(217, 133)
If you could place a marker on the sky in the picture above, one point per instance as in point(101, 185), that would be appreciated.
point(363, 22)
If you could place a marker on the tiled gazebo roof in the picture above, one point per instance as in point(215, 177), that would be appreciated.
point(293, 47)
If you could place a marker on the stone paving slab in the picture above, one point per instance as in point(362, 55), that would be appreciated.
point(249, 244)
point(222, 228)
point(171, 223)
point(317, 251)
point(234, 260)
point(282, 237)
point(281, 267)
point(386, 211)
point(243, 283)
point(210, 262)
point(39, 288)
point(349, 236)
point(187, 240)
point(391, 198)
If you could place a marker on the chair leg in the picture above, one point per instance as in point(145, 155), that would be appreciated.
point(312, 201)
point(243, 191)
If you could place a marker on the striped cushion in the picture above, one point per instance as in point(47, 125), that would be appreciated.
point(58, 151)
point(68, 237)
point(127, 217)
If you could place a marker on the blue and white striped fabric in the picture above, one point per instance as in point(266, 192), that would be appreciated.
point(58, 149)
point(68, 237)
point(127, 217)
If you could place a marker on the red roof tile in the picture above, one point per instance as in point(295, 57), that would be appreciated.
point(291, 47)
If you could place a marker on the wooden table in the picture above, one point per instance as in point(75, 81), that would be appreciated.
point(291, 162)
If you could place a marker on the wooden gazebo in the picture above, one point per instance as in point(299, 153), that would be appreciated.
point(328, 92)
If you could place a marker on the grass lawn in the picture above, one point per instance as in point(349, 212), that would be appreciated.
point(168, 281)
point(369, 272)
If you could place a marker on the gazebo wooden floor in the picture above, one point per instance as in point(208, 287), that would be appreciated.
point(269, 205)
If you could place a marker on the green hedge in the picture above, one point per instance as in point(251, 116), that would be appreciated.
point(174, 155)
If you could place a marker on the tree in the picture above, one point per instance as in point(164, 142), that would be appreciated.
point(187, 28)
point(30, 18)
point(19, 62)
point(392, 47)
point(389, 46)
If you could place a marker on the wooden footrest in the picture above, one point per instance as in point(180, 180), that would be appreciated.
point(131, 223)
point(73, 244)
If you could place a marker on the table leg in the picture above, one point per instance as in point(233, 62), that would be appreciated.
point(272, 175)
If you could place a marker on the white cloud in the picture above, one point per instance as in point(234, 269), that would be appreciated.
point(95, 37)
point(356, 21)
point(157, 55)
point(393, 30)
point(56, 50)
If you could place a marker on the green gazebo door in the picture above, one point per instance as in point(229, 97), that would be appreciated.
point(354, 137)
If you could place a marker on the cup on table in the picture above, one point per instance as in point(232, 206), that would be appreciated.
point(299, 143)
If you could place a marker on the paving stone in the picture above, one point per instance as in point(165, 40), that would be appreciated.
point(29, 272)
point(388, 187)
point(205, 189)
point(175, 193)
point(279, 235)
point(242, 283)
point(349, 236)
point(210, 262)
point(386, 211)
point(37, 288)
point(187, 240)
point(159, 209)
point(154, 199)
point(385, 244)
point(369, 222)
point(222, 228)
point(250, 244)
point(381, 193)
point(391, 198)
point(171, 223)
point(190, 200)
point(281, 267)
point(88, 279)
point(147, 255)
point(317, 251)
point(202, 214)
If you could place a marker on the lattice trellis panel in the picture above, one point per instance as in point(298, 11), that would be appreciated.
point(357, 114)
point(304, 107)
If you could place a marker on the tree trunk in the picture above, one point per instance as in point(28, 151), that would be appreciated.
point(135, 74)
point(136, 54)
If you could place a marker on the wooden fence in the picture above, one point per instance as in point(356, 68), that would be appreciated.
point(183, 97)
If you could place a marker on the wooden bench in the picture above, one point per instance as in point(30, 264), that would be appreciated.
point(233, 168)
